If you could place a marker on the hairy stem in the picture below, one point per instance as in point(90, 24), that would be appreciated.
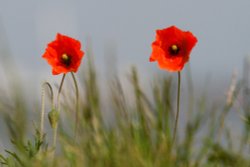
point(77, 104)
point(58, 109)
point(178, 106)
point(43, 107)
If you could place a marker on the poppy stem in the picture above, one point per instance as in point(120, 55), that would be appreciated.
point(43, 107)
point(178, 105)
point(77, 104)
point(59, 93)
point(58, 109)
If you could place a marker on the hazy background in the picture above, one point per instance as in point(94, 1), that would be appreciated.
point(126, 28)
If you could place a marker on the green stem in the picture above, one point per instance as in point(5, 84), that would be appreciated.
point(58, 109)
point(42, 114)
point(178, 106)
point(59, 93)
point(77, 104)
point(190, 92)
point(43, 107)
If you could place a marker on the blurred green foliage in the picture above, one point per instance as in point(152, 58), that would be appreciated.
point(138, 132)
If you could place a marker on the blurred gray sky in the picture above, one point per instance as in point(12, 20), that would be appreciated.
point(222, 28)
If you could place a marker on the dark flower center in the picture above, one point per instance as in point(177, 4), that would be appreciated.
point(174, 50)
point(66, 59)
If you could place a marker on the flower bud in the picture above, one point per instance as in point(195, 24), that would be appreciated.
point(53, 118)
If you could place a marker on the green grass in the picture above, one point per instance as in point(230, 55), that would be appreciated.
point(137, 132)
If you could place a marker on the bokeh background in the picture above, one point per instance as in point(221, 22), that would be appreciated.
point(120, 33)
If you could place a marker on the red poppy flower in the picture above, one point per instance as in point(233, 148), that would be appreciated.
point(172, 48)
point(63, 54)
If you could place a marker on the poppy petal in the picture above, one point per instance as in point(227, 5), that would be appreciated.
point(63, 45)
point(162, 48)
